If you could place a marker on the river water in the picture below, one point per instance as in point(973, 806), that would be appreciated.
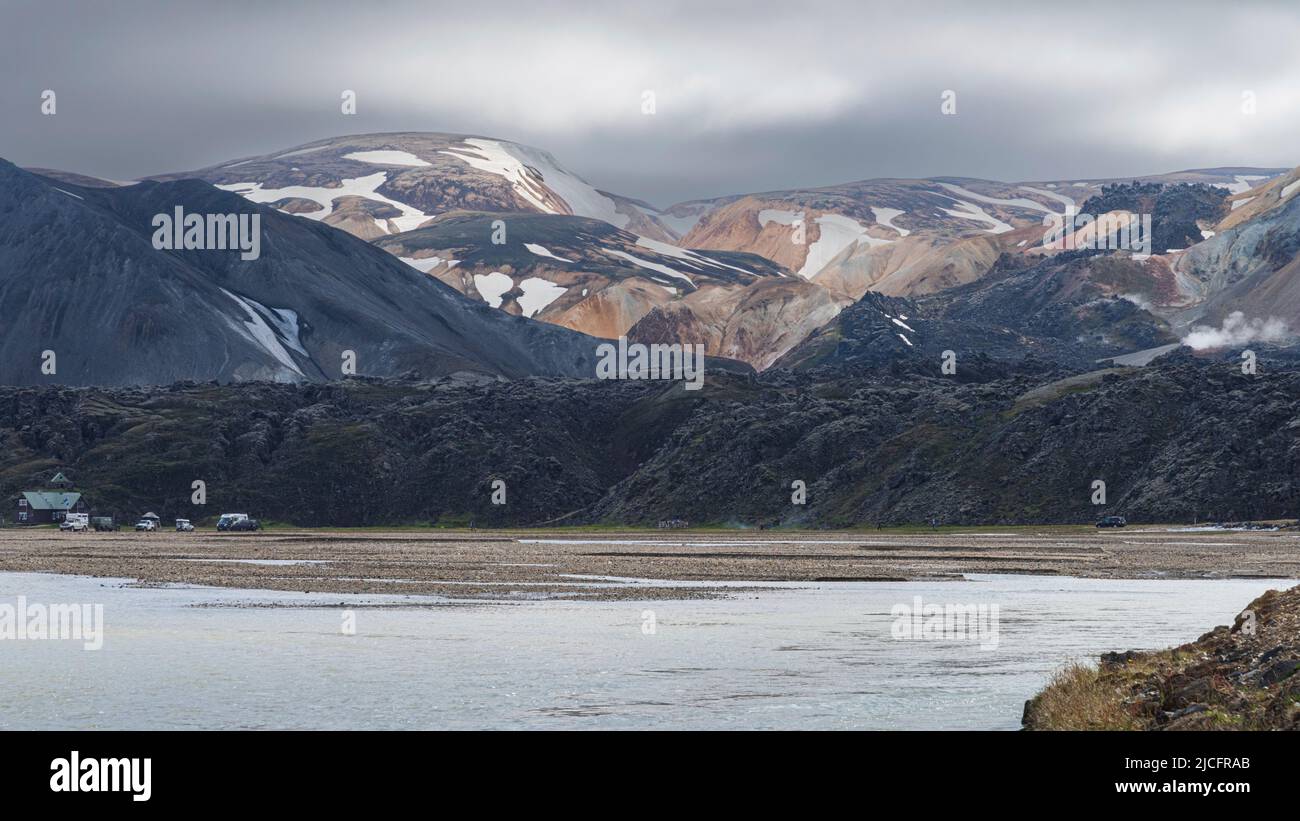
point(787, 656)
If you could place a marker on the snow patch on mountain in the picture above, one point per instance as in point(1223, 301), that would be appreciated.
point(492, 287)
point(387, 158)
point(538, 293)
point(837, 232)
point(1068, 202)
point(531, 173)
point(492, 157)
point(651, 266)
point(691, 258)
point(971, 211)
point(427, 264)
point(1244, 182)
point(582, 199)
point(541, 251)
point(885, 217)
point(366, 187)
point(1018, 202)
point(286, 325)
point(256, 329)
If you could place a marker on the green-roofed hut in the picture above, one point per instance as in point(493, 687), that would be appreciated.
point(39, 507)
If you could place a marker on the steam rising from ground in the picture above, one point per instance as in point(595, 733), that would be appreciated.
point(1138, 300)
point(1237, 330)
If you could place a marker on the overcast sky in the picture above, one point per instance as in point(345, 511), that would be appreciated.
point(749, 96)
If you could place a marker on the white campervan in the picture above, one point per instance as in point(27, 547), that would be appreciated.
point(75, 522)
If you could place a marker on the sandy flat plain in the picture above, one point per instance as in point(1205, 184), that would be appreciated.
point(605, 564)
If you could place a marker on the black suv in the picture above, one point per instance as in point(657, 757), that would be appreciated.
point(1112, 521)
point(237, 522)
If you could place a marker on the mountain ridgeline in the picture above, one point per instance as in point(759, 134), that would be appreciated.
point(86, 298)
point(752, 276)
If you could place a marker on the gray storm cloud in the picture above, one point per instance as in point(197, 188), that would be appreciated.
point(748, 96)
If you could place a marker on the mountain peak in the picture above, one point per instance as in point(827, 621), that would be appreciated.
point(80, 277)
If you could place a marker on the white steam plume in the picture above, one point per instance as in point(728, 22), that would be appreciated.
point(1237, 330)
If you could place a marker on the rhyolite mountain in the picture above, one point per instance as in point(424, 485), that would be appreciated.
point(906, 237)
point(592, 276)
point(827, 246)
point(587, 275)
point(897, 237)
point(79, 276)
point(599, 262)
point(1077, 307)
point(762, 279)
point(1191, 439)
point(372, 185)
point(980, 265)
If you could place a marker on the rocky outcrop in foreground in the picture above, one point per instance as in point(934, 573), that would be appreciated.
point(1243, 677)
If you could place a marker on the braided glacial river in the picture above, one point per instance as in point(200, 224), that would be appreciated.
point(784, 656)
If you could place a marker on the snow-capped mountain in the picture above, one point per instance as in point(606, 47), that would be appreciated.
point(89, 299)
point(753, 276)
point(373, 185)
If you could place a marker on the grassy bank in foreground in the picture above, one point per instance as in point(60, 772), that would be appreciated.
point(1243, 677)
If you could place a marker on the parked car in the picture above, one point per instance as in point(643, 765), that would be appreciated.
point(184, 526)
point(1112, 521)
point(147, 525)
point(237, 522)
point(75, 523)
point(102, 523)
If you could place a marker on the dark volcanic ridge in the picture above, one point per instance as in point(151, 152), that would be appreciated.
point(1187, 439)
